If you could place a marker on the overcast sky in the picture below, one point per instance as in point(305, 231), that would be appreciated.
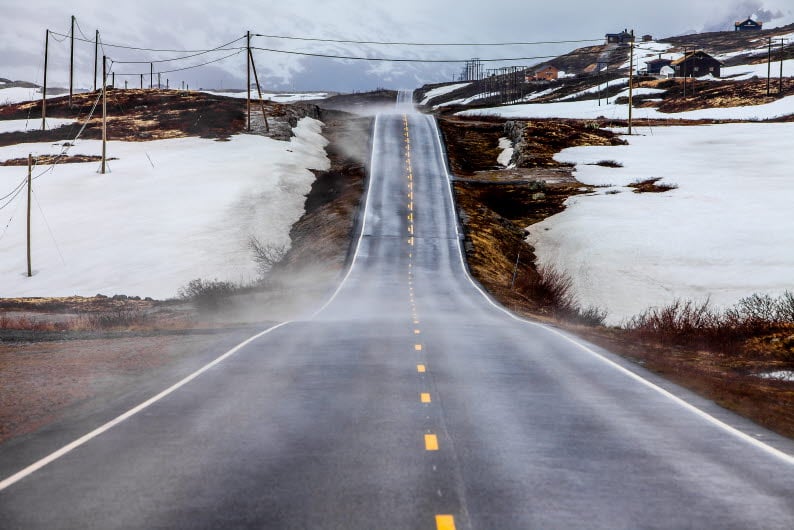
point(202, 24)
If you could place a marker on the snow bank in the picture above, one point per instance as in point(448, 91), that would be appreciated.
point(11, 95)
point(596, 89)
point(33, 124)
point(277, 97)
point(725, 233)
point(170, 211)
point(748, 71)
point(589, 109)
point(440, 91)
point(506, 145)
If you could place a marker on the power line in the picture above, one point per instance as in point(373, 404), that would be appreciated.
point(125, 47)
point(344, 41)
point(222, 47)
point(238, 52)
point(404, 60)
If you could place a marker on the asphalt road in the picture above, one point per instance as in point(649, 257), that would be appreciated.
point(411, 401)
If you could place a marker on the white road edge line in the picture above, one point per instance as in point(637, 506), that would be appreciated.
point(785, 457)
point(32, 468)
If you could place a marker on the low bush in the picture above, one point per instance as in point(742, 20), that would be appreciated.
point(689, 323)
point(552, 290)
point(208, 295)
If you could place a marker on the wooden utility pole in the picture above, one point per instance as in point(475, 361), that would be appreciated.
point(44, 88)
point(259, 90)
point(96, 57)
point(780, 90)
point(151, 75)
point(71, 66)
point(30, 193)
point(104, 114)
point(631, 82)
point(159, 85)
point(248, 67)
point(769, 68)
point(141, 81)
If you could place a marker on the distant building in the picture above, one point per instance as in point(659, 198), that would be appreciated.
point(623, 37)
point(655, 66)
point(697, 64)
point(647, 38)
point(747, 25)
point(547, 73)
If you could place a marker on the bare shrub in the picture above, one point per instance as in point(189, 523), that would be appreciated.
point(208, 295)
point(691, 323)
point(552, 289)
point(608, 163)
point(675, 322)
point(785, 308)
point(265, 255)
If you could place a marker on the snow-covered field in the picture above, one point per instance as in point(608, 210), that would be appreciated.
point(11, 95)
point(440, 91)
point(590, 109)
point(748, 71)
point(725, 233)
point(278, 97)
point(170, 211)
point(33, 124)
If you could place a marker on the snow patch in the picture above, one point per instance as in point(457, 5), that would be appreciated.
point(724, 234)
point(34, 124)
point(441, 91)
point(507, 152)
point(169, 211)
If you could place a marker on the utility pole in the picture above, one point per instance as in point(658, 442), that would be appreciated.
point(104, 114)
point(780, 90)
point(686, 50)
point(159, 85)
point(769, 68)
point(631, 82)
point(248, 84)
point(151, 75)
point(30, 193)
point(141, 81)
point(71, 66)
point(44, 88)
point(96, 57)
point(259, 90)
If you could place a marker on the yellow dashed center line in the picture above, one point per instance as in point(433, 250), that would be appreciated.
point(445, 522)
point(431, 442)
point(417, 332)
point(421, 368)
point(418, 347)
point(424, 397)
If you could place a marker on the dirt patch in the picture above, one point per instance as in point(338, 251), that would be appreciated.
point(52, 159)
point(651, 186)
point(144, 115)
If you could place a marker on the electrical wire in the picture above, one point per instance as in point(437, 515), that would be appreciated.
point(343, 41)
point(185, 68)
point(137, 48)
point(222, 47)
point(403, 60)
point(17, 189)
point(49, 229)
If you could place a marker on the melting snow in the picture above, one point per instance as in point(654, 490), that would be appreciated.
point(170, 211)
point(725, 233)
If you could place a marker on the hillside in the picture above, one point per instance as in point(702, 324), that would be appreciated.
point(743, 54)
